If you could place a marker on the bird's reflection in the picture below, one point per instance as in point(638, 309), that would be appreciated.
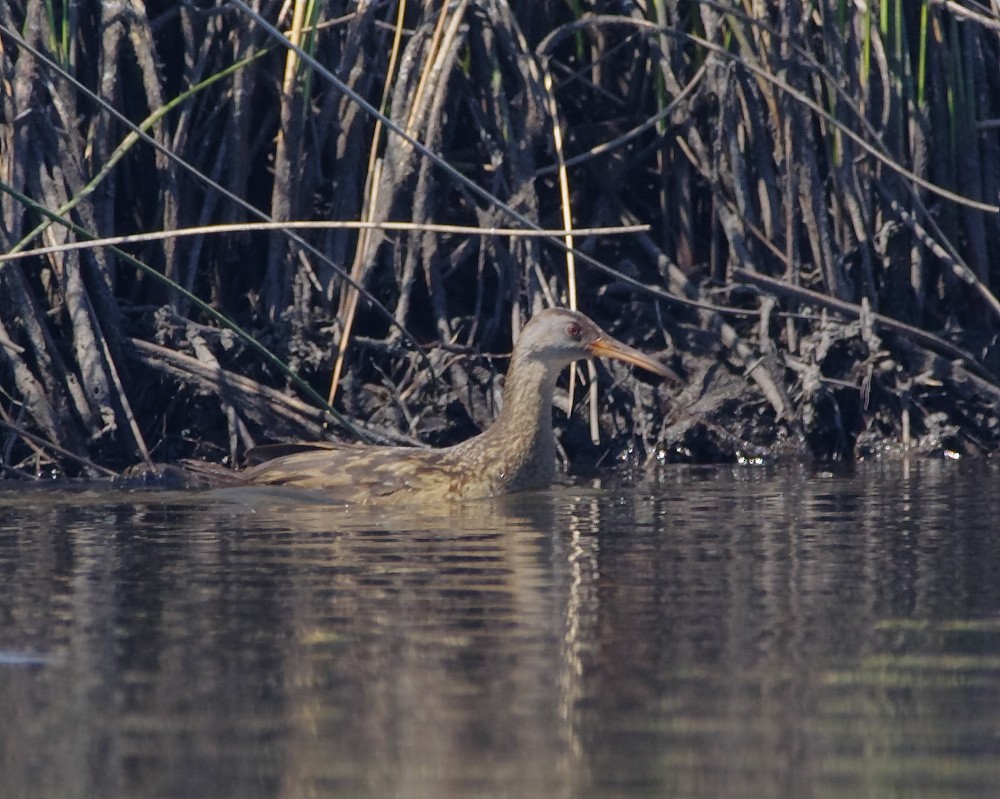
point(397, 623)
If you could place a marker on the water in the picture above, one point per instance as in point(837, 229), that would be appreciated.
point(698, 632)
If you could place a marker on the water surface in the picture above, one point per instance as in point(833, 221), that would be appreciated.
point(693, 632)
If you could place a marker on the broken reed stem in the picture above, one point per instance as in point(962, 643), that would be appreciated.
point(242, 227)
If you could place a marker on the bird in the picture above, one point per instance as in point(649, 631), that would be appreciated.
point(516, 453)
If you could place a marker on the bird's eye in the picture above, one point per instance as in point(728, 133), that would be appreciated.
point(574, 331)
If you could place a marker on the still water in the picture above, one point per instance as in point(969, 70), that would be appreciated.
point(690, 632)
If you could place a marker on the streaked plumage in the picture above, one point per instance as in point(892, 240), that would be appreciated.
point(516, 453)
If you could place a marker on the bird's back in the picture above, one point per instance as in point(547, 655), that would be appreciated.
point(366, 474)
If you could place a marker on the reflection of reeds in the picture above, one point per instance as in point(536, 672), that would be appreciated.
point(831, 149)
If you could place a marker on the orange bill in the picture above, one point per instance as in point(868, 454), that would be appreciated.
point(607, 347)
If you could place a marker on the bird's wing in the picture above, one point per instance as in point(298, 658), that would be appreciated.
point(268, 452)
point(360, 474)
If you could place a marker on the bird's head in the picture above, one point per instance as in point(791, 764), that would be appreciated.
point(559, 336)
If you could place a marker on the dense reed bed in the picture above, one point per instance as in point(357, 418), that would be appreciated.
point(796, 204)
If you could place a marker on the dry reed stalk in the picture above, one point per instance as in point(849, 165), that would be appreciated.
point(373, 180)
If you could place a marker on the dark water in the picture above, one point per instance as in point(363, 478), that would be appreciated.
point(731, 632)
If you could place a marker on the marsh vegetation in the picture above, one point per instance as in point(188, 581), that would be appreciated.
point(337, 215)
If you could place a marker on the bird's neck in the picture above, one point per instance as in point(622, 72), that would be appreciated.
point(521, 437)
